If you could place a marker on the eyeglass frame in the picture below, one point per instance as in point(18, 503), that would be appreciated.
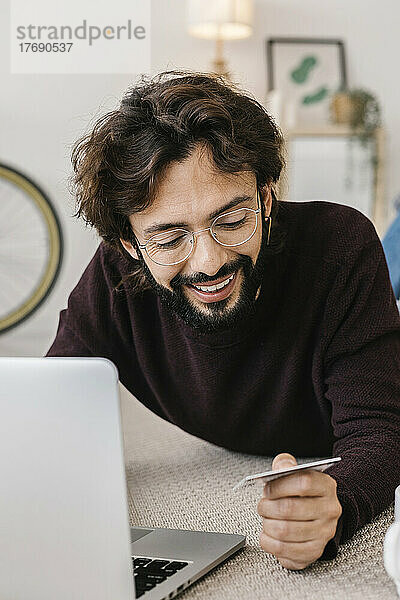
point(193, 234)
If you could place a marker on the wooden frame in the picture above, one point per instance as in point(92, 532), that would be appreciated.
point(307, 72)
point(271, 46)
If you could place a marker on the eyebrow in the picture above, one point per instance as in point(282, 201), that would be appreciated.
point(163, 226)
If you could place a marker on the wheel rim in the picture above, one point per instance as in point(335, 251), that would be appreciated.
point(45, 265)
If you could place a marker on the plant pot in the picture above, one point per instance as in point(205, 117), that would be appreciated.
point(343, 108)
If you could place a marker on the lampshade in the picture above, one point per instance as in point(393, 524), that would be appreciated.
point(220, 19)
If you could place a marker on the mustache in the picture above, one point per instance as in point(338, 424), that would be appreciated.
point(201, 278)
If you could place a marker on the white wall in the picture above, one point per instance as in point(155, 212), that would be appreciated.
point(42, 115)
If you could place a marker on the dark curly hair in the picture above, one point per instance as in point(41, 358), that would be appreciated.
point(119, 164)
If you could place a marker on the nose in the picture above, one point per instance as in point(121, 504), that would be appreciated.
point(208, 256)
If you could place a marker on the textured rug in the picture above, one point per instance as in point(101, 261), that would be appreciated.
point(176, 480)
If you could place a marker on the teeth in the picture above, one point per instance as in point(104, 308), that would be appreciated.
point(213, 288)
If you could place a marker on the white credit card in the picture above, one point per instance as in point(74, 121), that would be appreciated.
point(318, 465)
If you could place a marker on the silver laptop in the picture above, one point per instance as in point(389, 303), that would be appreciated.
point(64, 529)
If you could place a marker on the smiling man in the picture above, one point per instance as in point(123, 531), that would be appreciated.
point(215, 286)
point(262, 326)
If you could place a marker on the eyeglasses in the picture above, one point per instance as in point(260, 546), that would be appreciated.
point(229, 229)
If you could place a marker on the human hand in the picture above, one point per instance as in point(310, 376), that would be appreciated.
point(300, 514)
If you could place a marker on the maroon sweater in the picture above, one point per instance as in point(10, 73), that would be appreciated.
point(315, 372)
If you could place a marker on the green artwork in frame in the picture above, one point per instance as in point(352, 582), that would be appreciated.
point(307, 72)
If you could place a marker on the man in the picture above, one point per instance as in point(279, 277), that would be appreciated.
point(261, 326)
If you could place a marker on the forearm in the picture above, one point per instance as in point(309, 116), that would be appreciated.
point(363, 388)
point(366, 477)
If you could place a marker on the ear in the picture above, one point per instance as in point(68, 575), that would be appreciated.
point(129, 248)
point(266, 198)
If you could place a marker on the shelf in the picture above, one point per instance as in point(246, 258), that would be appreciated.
point(325, 130)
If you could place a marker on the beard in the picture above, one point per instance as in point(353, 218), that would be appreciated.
point(216, 316)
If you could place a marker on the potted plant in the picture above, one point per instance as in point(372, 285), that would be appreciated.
point(359, 109)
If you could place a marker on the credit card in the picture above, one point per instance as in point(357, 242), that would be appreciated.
point(318, 465)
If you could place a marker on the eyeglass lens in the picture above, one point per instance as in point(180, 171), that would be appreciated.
point(229, 229)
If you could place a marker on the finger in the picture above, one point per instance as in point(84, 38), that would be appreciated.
point(308, 483)
point(298, 551)
point(293, 508)
point(283, 460)
point(292, 531)
point(291, 564)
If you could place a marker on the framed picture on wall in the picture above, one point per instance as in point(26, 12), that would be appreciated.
point(306, 72)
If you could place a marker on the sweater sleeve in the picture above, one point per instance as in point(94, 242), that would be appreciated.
point(362, 385)
point(85, 326)
point(68, 342)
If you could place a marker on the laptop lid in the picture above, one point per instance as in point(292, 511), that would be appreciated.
point(64, 530)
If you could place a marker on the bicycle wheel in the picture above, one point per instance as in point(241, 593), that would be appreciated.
point(30, 247)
